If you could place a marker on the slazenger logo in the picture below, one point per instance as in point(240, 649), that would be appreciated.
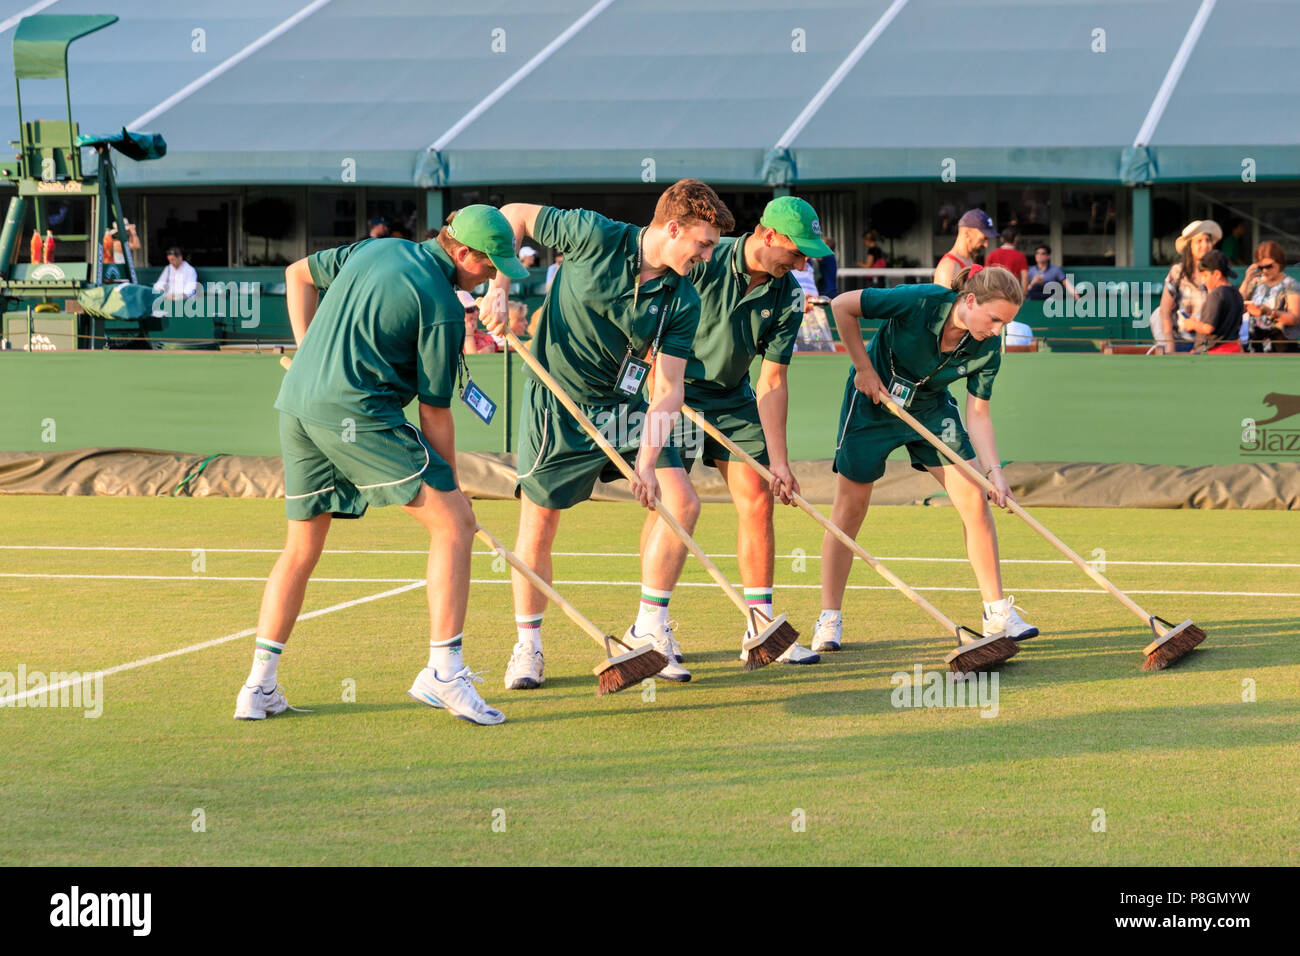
point(1273, 443)
point(103, 909)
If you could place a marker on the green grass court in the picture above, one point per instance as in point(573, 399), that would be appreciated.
point(1185, 771)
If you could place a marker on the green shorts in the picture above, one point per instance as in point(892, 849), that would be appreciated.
point(735, 414)
point(559, 464)
point(868, 433)
point(340, 472)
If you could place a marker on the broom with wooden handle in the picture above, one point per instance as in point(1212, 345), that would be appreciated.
point(1171, 642)
point(769, 637)
point(617, 672)
point(974, 652)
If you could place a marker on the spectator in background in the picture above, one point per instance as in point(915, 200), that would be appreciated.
point(397, 231)
point(115, 255)
point(1234, 244)
point(875, 258)
point(1010, 258)
point(1184, 295)
point(1219, 324)
point(477, 341)
point(974, 230)
point(806, 282)
point(1019, 334)
point(829, 271)
point(377, 228)
point(1042, 272)
point(1273, 302)
point(528, 256)
point(518, 318)
point(178, 281)
point(552, 269)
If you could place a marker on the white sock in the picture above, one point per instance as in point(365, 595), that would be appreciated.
point(652, 614)
point(995, 607)
point(445, 656)
point(529, 627)
point(760, 600)
point(266, 658)
point(829, 617)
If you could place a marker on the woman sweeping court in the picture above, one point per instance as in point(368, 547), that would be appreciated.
point(932, 336)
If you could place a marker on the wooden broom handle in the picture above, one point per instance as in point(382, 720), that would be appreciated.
point(829, 525)
point(531, 361)
point(539, 582)
point(984, 483)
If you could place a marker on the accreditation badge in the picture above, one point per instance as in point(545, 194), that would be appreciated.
point(902, 390)
point(631, 375)
point(482, 406)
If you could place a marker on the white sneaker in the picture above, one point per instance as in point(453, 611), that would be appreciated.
point(1003, 621)
point(524, 672)
point(254, 703)
point(457, 695)
point(794, 654)
point(676, 648)
point(828, 635)
point(663, 643)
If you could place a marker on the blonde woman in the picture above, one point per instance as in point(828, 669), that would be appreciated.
point(932, 336)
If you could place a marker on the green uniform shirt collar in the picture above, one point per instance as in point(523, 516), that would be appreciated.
point(937, 324)
point(444, 261)
point(741, 271)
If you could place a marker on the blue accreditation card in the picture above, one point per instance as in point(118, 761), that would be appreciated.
point(478, 403)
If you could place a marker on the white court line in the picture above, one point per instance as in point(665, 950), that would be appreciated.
point(634, 554)
point(202, 645)
point(636, 584)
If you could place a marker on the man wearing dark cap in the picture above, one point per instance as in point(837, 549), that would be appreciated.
point(378, 228)
point(390, 330)
point(1220, 320)
point(974, 230)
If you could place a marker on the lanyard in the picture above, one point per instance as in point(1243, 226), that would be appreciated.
point(636, 291)
point(935, 371)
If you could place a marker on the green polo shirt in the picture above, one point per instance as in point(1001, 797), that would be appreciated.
point(389, 329)
point(594, 311)
point(736, 324)
point(914, 316)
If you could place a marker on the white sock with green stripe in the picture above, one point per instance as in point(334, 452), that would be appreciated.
point(266, 657)
point(529, 627)
point(760, 600)
point(653, 611)
point(445, 658)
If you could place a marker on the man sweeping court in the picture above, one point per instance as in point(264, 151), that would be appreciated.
point(751, 305)
point(620, 304)
point(389, 330)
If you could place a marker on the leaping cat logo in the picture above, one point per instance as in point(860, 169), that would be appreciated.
point(1284, 407)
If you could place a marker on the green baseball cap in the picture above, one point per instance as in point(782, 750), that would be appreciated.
point(485, 230)
point(797, 221)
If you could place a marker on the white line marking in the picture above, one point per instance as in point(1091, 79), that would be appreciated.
point(519, 75)
point(837, 77)
point(1172, 76)
point(410, 583)
point(203, 645)
point(34, 8)
point(194, 86)
point(632, 554)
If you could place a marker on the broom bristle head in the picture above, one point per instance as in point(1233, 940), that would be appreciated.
point(627, 669)
point(1174, 648)
point(776, 639)
point(983, 655)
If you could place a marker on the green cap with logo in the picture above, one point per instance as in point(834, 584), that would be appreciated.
point(483, 228)
point(797, 221)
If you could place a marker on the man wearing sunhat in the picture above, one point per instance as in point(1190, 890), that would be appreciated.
point(751, 305)
point(974, 230)
point(390, 330)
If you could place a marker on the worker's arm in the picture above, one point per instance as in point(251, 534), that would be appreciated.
point(773, 408)
point(439, 430)
point(847, 309)
point(979, 426)
point(300, 298)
